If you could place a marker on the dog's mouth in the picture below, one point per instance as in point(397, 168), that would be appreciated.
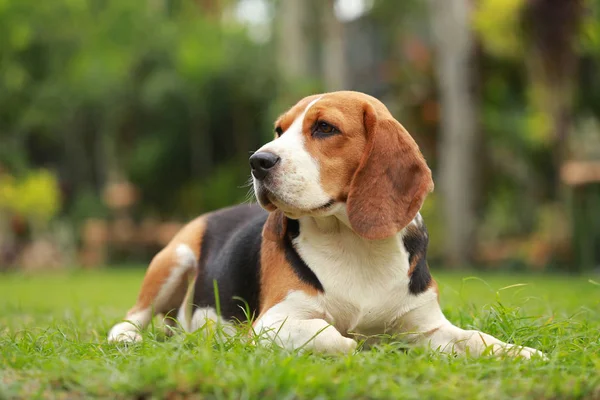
point(263, 195)
point(325, 206)
point(271, 202)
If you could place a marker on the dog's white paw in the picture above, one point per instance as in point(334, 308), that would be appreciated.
point(339, 345)
point(521, 352)
point(528, 352)
point(350, 345)
point(124, 332)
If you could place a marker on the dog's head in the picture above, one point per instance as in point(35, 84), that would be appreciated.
point(342, 149)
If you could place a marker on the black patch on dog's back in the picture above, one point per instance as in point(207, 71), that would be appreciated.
point(296, 262)
point(230, 255)
point(415, 241)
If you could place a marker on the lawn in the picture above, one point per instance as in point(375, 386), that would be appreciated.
point(53, 329)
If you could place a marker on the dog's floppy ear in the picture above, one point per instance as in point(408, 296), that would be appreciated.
point(275, 227)
point(392, 179)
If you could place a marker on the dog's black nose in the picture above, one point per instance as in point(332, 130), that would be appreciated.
point(261, 163)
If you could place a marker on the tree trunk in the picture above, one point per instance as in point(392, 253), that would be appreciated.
point(333, 54)
point(551, 31)
point(455, 50)
point(293, 53)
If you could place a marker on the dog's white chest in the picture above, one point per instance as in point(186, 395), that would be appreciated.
point(365, 282)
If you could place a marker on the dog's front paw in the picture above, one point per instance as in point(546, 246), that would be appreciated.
point(333, 344)
point(339, 345)
point(523, 352)
point(124, 332)
point(528, 352)
point(348, 345)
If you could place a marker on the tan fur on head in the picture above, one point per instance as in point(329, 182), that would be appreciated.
point(392, 180)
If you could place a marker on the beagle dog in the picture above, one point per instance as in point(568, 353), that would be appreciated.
point(336, 250)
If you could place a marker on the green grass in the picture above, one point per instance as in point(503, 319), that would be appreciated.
point(53, 329)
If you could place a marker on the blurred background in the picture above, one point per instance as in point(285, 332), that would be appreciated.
point(122, 119)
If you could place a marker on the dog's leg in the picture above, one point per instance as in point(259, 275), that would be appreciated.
point(162, 291)
point(427, 325)
point(295, 325)
point(451, 339)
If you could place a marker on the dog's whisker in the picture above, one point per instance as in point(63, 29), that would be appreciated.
point(250, 197)
point(249, 183)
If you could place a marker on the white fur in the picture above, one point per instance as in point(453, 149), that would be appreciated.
point(186, 263)
point(294, 324)
point(129, 330)
point(185, 256)
point(296, 181)
point(207, 318)
point(366, 292)
point(365, 282)
point(185, 312)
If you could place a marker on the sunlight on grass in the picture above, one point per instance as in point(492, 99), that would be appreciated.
point(53, 329)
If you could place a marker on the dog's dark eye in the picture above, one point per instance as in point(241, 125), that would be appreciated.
point(278, 131)
point(323, 129)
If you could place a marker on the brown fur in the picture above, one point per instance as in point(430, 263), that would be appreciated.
point(414, 231)
point(433, 284)
point(338, 155)
point(161, 266)
point(286, 119)
point(415, 260)
point(392, 181)
point(275, 227)
point(277, 276)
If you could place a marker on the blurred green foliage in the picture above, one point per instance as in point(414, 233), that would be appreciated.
point(156, 91)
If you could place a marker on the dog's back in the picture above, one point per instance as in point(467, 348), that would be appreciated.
point(230, 255)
